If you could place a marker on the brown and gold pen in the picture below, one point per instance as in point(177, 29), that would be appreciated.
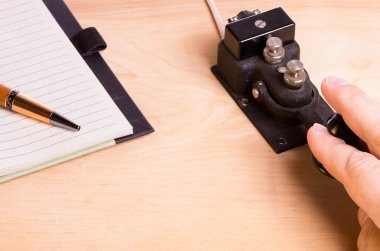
point(18, 102)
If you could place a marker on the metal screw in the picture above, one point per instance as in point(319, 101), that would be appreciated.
point(274, 44)
point(244, 102)
point(282, 141)
point(260, 24)
point(233, 19)
point(274, 53)
point(295, 67)
point(256, 12)
point(244, 14)
point(295, 76)
point(255, 93)
point(282, 69)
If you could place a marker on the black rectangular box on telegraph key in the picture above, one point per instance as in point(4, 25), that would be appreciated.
point(244, 43)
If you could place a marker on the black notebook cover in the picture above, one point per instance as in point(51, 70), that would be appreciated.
point(101, 70)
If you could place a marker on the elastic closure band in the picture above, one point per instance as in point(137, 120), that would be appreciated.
point(89, 41)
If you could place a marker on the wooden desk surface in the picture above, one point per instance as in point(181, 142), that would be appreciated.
point(206, 179)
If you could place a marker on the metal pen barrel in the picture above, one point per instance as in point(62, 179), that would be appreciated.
point(15, 101)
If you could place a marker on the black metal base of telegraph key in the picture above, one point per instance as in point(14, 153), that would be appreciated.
point(279, 136)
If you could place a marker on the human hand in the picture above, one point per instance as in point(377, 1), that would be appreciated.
point(358, 171)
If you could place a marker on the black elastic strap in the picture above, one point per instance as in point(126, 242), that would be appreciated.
point(89, 41)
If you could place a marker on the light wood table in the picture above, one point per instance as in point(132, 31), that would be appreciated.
point(206, 179)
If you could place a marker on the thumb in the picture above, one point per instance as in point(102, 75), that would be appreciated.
point(358, 171)
point(369, 237)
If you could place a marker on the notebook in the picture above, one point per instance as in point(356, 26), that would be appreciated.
point(38, 59)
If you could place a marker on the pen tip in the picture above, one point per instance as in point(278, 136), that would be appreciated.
point(58, 120)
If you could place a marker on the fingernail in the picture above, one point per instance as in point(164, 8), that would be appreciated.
point(336, 81)
point(319, 128)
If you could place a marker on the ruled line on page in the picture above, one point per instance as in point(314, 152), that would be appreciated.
point(40, 87)
point(36, 123)
point(35, 64)
point(26, 42)
point(24, 137)
point(31, 57)
point(26, 27)
point(24, 35)
point(21, 128)
point(84, 107)
point(20, 20)
point(37, 150)
point(84, 97)
point(28, 119)
point(18, 13)
point(54, 83)
point(30, 49)
point(59, 107)
point(40, 70)
point(15, 6)
point(82, 90)
point(51, 136)
point(14, 114)
point(86, 94)
point(76, 91)
point(48, 138)
point(45, 77)
point(8, 1)
point(50, 128)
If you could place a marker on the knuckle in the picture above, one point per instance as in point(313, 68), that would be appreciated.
point(374, 133)
point(369, 237)
point(373, 139)
point(357, 161)
point(350, 96)
point(362, 217)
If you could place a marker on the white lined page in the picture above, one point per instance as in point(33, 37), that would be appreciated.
point(38, 59)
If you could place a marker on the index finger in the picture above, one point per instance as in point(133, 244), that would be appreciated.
point(360, 112)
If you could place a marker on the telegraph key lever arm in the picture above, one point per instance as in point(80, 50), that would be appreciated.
point(338, 128)
point(296, 98)
point(289, 95)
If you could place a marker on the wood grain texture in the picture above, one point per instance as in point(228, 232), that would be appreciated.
point(206, 179)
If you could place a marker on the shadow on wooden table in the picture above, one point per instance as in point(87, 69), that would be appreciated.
point(328, 195)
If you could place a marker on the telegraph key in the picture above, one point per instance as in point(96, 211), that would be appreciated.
point(259, 65)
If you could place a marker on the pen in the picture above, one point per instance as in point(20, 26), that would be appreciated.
point(15, 101)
